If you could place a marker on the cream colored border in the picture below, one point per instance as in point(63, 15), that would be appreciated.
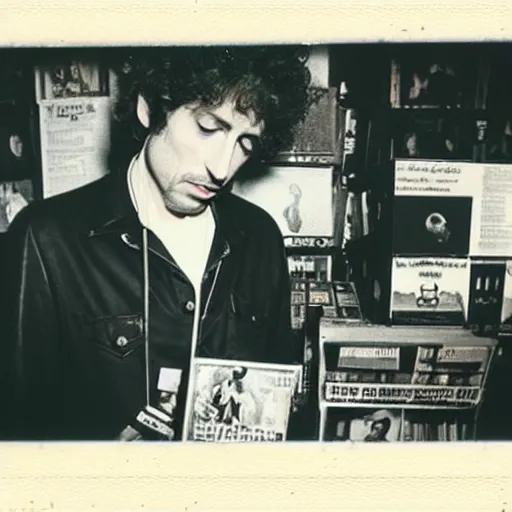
point(242, 478)
point(215, 21)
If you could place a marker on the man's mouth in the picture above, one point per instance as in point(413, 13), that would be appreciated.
point(203, 191)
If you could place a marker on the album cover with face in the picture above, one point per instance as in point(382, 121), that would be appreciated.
point(360, 424)
point(431, 225)
point(430, 291)
point(298, 198)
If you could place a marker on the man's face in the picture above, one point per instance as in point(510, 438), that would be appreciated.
point(377, 431)
point(198, 152)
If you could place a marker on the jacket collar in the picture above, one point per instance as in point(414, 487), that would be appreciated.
point(116, 214)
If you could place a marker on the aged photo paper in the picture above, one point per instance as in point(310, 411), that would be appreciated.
point(229, 477)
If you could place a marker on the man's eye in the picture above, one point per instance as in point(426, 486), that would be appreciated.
point(207, 125)
point(247, 145)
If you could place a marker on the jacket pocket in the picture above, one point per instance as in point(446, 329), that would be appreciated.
point(118, 335)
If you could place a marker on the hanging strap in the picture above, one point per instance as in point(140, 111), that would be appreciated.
point(145, 317)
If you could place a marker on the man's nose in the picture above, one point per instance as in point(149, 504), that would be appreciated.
point(219, 165)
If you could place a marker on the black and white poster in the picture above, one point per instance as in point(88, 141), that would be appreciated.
point(438, 205)
point(298, 198)
point(75, 137)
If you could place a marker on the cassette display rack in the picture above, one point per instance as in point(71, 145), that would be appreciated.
point(400, 383)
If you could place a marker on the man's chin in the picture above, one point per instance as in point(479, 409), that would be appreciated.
point(191, 209)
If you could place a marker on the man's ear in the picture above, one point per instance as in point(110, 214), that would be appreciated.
point(143, 111)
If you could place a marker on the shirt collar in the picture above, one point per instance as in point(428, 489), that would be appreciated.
point(115, 212)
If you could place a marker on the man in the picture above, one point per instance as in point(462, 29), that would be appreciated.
point(379, 430)
point(114, 282)
point(233, 404)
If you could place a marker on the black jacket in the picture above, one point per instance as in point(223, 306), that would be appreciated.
point(74, 286)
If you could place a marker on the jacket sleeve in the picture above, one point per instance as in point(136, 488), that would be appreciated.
point(28, 346)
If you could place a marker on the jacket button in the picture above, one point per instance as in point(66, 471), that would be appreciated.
point(190, 306)
point(121, 341)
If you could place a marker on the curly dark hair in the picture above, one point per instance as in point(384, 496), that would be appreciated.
point(270, 81)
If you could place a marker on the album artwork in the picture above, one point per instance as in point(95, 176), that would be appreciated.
point(430, 291)
point(486, 292)
point(431, 225)
point(361, 424)
point(506, 311)
point(236, 401)
point(299, 199)
point(14, 196)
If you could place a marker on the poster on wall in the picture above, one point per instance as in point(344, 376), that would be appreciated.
point(75, 135)
point(71, 79)
point(298, 198)
point(452, 208)
point(430, 291)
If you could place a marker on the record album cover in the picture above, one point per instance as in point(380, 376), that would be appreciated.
point(430, 290)
point(233, 401)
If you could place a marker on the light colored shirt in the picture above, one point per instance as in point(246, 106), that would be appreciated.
point(188, 239)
